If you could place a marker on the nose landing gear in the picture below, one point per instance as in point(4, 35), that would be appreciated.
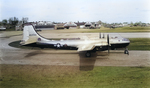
point(126, 51)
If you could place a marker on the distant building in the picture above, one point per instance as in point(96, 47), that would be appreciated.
point(88, 24)
point(59, 26)
point(92, 25)
point(45, 24)
point(70, 25)
point(97, 25)
point(80, 24)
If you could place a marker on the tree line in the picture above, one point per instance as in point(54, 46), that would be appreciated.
point(13, 21)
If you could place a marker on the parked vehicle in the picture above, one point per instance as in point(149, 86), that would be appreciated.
point(2, 28)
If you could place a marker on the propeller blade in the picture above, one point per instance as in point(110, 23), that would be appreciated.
point(103, 35)
point(108, 41)
point(100, 35)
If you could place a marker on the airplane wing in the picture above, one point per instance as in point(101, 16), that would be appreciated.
point(86, 47)
point(84, 37)
point(89, 47)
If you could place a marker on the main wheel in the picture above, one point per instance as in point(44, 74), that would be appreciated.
point(88, 54)
point(126, 52)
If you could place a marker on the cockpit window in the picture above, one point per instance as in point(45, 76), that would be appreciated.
point(125, 39)
point(115, 36)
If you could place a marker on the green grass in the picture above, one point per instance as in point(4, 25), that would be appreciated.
point(11, 29)
point(133, 29)
point(139, 44)
point(125, 29)
point(29, 76)
point(105, 30)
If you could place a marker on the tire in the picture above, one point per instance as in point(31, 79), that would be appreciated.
point(88, 54)
point(126, 52)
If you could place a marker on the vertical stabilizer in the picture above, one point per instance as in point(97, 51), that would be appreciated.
point(29, 35)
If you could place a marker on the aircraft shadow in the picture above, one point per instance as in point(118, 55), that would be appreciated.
point(87, 63)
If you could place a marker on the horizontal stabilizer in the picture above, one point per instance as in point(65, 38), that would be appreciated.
point(32, 39)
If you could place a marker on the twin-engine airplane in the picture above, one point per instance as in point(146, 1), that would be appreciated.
point(89, 45)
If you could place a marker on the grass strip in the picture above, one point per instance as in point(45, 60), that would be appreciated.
point(42, 76)
point(139, 44)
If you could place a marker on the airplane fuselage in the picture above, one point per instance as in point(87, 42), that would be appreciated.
point(114, 43)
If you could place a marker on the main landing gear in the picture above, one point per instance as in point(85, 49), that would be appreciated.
point(88, 54)
point(126, 51)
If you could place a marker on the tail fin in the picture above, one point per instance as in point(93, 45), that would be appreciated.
point(29, 35)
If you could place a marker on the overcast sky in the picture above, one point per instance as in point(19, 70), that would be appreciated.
point(109, 11)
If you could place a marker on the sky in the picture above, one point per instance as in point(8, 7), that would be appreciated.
point(109, 11)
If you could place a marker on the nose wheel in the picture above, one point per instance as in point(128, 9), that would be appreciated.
point(126, 51)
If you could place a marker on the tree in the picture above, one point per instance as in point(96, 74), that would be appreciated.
point(24, 20)
point(10, 20)
point(99, 22)
point(125, 22)
point(131, 24)
point(13, 21)
point(136, 24)
point(4, 22)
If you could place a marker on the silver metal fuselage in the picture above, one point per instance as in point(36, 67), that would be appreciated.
point(76, 43)
point(86, 44)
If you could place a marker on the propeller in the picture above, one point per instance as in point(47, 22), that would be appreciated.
point(103, 35)
point(100, 35)
point(108, 42)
